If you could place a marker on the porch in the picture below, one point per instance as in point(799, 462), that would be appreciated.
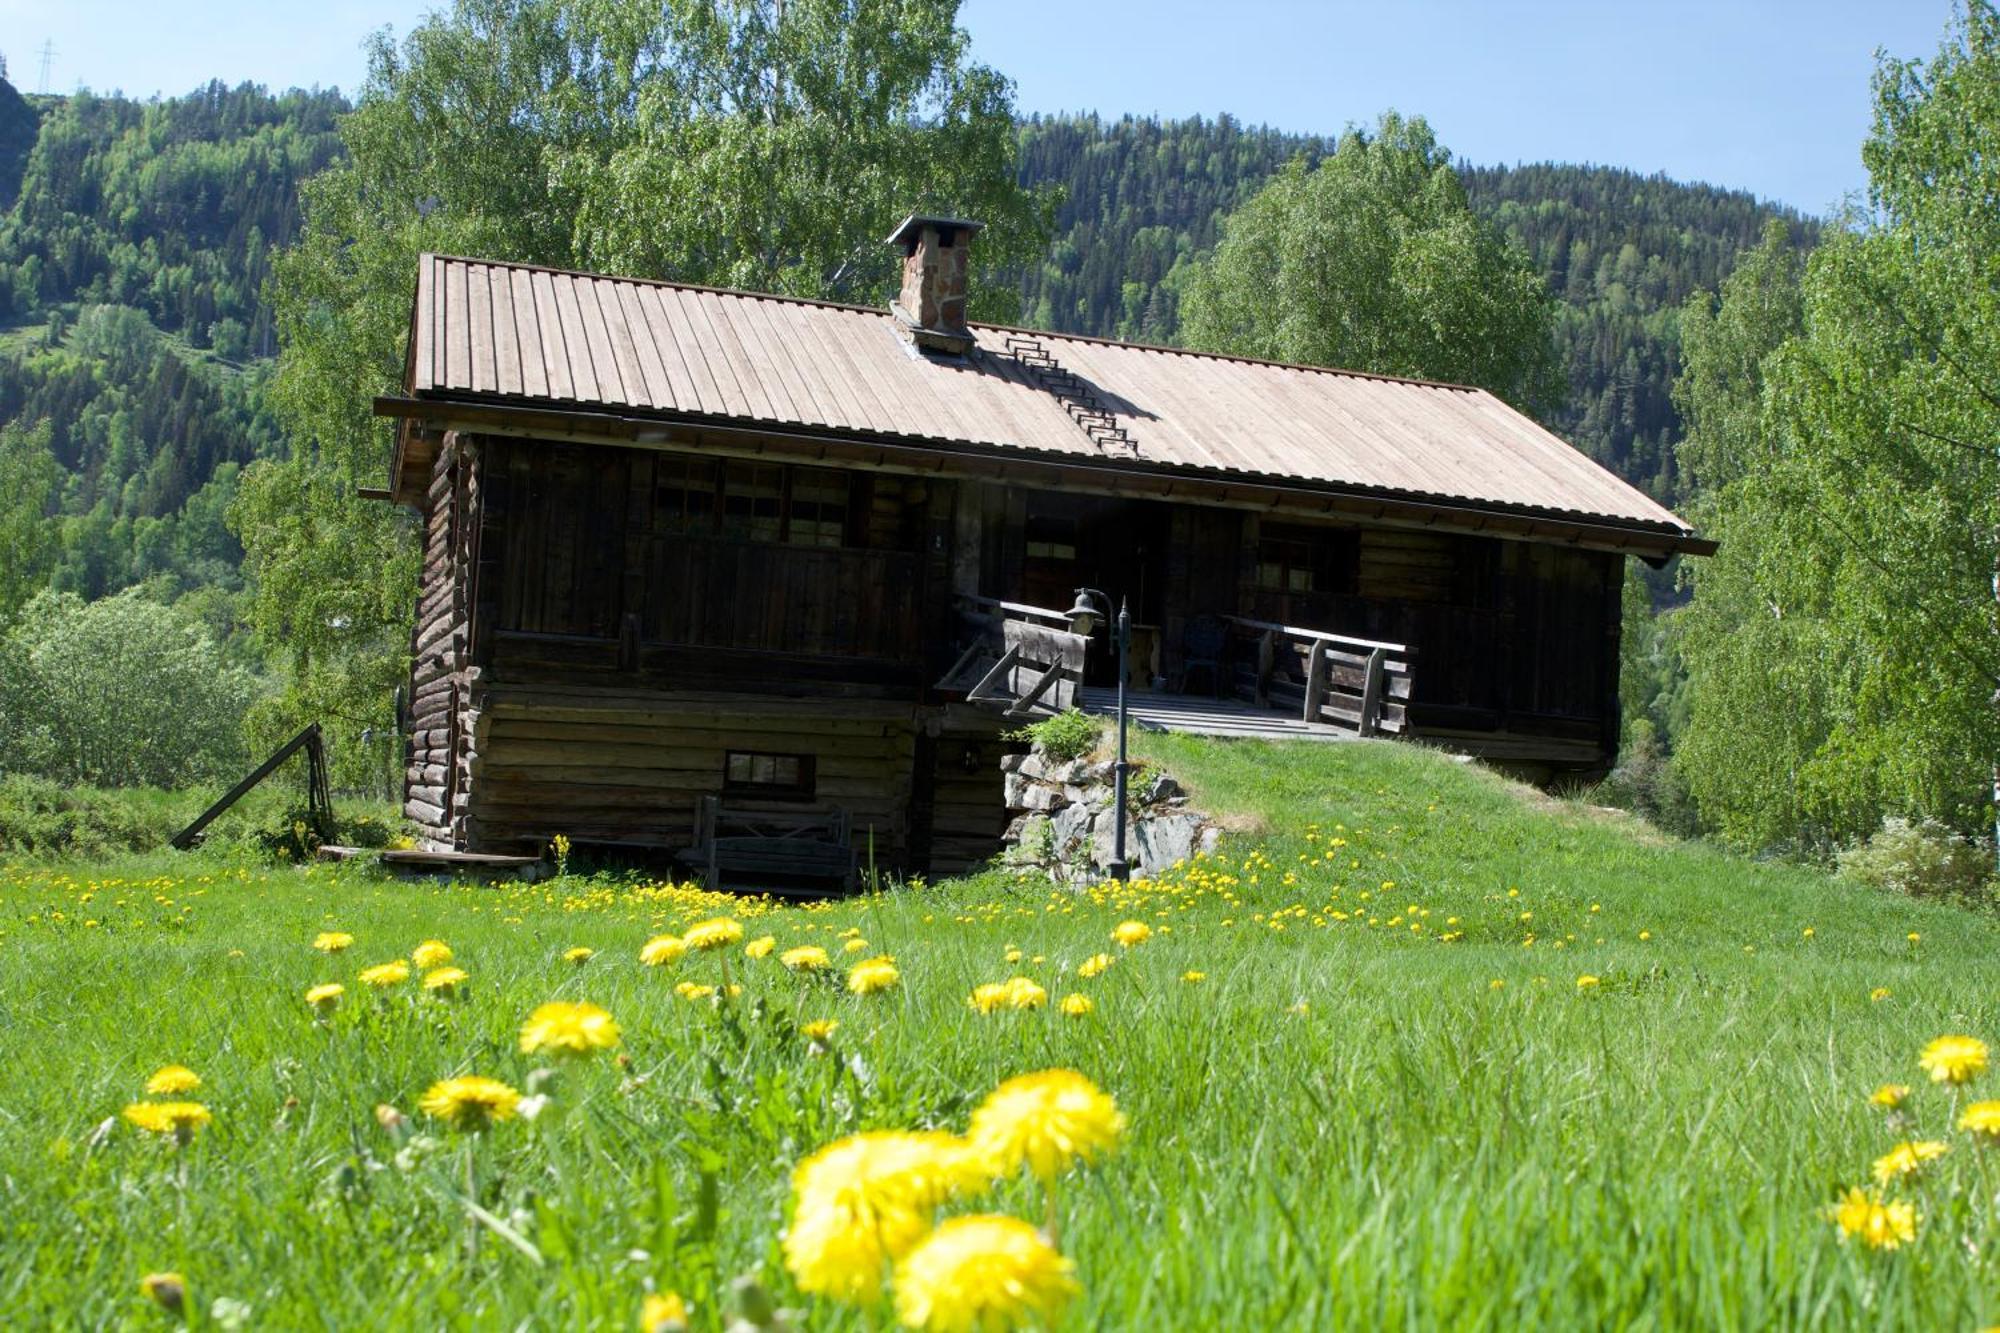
point(1264, 679)
point(1196, 715)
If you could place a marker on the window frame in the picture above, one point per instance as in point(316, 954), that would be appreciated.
point(800, 787)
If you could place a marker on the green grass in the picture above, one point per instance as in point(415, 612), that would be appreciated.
point(1414, 1149)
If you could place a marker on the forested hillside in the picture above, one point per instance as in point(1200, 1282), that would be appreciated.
point(134, 248)
point(1622, 251)
point(136, 238)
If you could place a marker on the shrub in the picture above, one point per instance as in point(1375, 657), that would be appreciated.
point(119, 692)
point(1922, 858)
point(1068, 735)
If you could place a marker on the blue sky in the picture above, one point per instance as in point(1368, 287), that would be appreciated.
point(1765, 95)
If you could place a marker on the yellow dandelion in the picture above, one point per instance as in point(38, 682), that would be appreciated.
point(1023, 993)
point(1954, 1059)
point(172, 1081)
point(1045, 1121)
point(179, 1119)
point(444, 981)
point(1587, 982)
point(471, 1102)
point(694, 990)
point(166, 1290)
point(384, 975)
point(806, 958)
point(568, 1027)
point(663, 1312)
point(1496, 984)
point(662, 950)
point(820, 1030)
point(1907, 1158)
point(326, 997)
point(855, 945)
point(430, 954)
point(1881, 1226)
point(1094, 965)
point(873, 976)
point(1194, 978)
point(1890, 1096)
point(863, 1201)
point(1076, 1006)
point(1982, 1121)
point(1014, 955)
point(1129, 933)
point(717, 933)
point(981, 1273)
point(761, 946)
point(581, 954)
point(332, 941)
point(1879, 994)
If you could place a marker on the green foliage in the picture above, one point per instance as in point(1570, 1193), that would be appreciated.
point(28, 542)
point(1138, 195)
point(1841, 650)
point(47, 820)
point(135, 239)
point(1922, 858)
point(1373, 261)
point(1070, 734)
point(118, 692)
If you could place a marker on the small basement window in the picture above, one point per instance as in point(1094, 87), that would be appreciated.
point(755, 773)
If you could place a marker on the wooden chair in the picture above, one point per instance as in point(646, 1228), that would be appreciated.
point(1202, 643)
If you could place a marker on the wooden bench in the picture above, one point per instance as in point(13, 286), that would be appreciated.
point(791, 852)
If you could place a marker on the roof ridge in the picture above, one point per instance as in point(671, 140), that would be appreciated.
point(1091, 338)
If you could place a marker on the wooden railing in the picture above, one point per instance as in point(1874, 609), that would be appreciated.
point(1023, 659)
point(1360, 684)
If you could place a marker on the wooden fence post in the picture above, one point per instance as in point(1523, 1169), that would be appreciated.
point(1371, 694)
point(1315, 679)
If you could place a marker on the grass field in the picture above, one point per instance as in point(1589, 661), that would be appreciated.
point(1387, 1102)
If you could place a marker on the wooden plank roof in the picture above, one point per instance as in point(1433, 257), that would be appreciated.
point(508, 334)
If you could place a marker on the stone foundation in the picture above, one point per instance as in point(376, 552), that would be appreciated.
point(1061, 819)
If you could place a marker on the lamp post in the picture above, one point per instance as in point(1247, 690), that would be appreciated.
point(1082, 619)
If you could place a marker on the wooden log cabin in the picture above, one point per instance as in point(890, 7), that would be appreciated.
point(691, 550)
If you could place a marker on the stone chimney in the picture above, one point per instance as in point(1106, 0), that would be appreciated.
point(930, 309)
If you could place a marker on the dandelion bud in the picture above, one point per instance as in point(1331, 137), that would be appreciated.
point(392, 1120)
point(753, 1301)
point(167, 1290)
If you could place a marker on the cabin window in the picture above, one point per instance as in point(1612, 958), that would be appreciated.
point(1294, 560)
point(817, 515)
point(753, 501)
point(1051, 538)
point(756, 773)
point(684, 492)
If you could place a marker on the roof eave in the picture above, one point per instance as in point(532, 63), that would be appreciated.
point(565, 421)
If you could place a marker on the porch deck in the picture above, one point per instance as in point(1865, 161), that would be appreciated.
point(1199, 715)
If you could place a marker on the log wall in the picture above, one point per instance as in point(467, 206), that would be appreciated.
point(442, 705)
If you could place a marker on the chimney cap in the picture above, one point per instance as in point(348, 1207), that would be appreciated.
point(906, 231)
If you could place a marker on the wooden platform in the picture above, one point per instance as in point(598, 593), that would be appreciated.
point(411, 858)
point(1199, 715)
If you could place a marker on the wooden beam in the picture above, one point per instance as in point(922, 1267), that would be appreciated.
point(1159, 481)
point(1316, 672)
point(185, 838)
point(1371, 695)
